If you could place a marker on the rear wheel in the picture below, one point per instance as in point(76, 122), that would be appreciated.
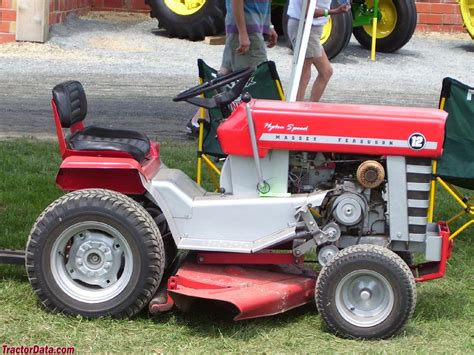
point(395, 27)
point(95, 253)
point(192, 19)
point(337, 32)
point(366, 291)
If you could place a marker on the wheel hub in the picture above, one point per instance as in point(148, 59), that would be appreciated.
point(91, 261)
point(387, 18)
point(365, 295)
point(94, 259)
point(364, 298)
point(185, 7)
point(327, 28)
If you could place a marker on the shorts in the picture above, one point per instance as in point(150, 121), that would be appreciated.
point(257, 53)
point(315, 48)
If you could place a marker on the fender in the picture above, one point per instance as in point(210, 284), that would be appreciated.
point(118, 174)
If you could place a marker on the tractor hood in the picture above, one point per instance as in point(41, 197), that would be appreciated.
point(337, 128)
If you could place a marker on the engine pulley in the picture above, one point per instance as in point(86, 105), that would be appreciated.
point(349, 209)
point(370, 174)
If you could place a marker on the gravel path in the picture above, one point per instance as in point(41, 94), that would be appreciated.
point(131, 70)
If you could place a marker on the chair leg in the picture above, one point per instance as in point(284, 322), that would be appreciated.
point(461, 229)
point(213, 171)
point(455, 217)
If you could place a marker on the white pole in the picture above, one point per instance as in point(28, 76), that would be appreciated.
point(301, 45)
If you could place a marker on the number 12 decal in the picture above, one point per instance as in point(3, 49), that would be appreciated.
point(417, 141)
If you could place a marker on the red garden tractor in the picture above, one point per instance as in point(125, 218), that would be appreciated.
point(347, 185)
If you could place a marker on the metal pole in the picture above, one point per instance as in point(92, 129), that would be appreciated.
point(374, 29)
point(304, 30)
point(253, 140)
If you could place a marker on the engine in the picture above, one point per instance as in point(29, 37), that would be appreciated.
point(356, 201)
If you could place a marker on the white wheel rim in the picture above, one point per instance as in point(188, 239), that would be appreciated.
point(364, 298)
point(91, 262)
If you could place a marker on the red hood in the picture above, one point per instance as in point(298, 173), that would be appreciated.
point(338, 128)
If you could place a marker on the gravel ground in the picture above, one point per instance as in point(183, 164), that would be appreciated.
point(131, 70)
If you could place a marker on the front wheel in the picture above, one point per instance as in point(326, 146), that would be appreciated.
point(366, 291)
point(395, 27)
point(95, 253)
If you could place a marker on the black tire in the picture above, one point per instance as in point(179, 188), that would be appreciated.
point(207, 21)
point(168, 242)
point(278, 15)
point(339, 30)
point(95, 253)
point(284, 26)
point(336, 33)
point(378, 276)
point(403, 28)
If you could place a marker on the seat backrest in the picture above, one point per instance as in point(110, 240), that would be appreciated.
point(264, 84)
point(457, 162)
point(71, 102)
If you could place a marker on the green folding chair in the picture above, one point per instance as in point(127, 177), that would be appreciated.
point(264, 84)
point(455, 169)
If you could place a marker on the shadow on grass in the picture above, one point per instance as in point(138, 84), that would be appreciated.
point(206, 319)
point(441, 304)
point(13, 273)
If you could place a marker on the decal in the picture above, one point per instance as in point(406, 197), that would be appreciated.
point(290, 127)
point(361, 141)
point(470, 93)
point(417, 141)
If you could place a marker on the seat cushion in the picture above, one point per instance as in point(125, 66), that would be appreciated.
point(102, 139)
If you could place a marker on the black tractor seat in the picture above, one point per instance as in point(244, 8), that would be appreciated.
point(71, 104)
point(94, 138)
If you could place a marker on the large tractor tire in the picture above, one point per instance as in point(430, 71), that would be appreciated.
point(395, 27)
point(191, 19)
point(336, 33)
point(366, 291)
point(95, 253)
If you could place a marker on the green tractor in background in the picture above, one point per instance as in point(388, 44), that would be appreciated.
point(195, 19)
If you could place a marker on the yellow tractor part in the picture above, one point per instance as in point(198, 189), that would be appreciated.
point(185, 7)
point(388, 18)
point(467, 13)
point(326, 31)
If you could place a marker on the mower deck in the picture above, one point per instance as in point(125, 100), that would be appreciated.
point(253, 291)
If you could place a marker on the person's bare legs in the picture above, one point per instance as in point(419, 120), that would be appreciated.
point(324, 68)
point(305, 78)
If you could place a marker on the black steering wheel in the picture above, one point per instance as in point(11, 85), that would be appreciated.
point(241, 76)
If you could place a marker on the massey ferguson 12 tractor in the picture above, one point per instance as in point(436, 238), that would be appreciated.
point(346, 185)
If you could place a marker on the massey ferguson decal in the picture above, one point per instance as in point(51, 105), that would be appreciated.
point(416, 141)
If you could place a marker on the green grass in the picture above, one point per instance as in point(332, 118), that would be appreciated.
point(443, 320)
